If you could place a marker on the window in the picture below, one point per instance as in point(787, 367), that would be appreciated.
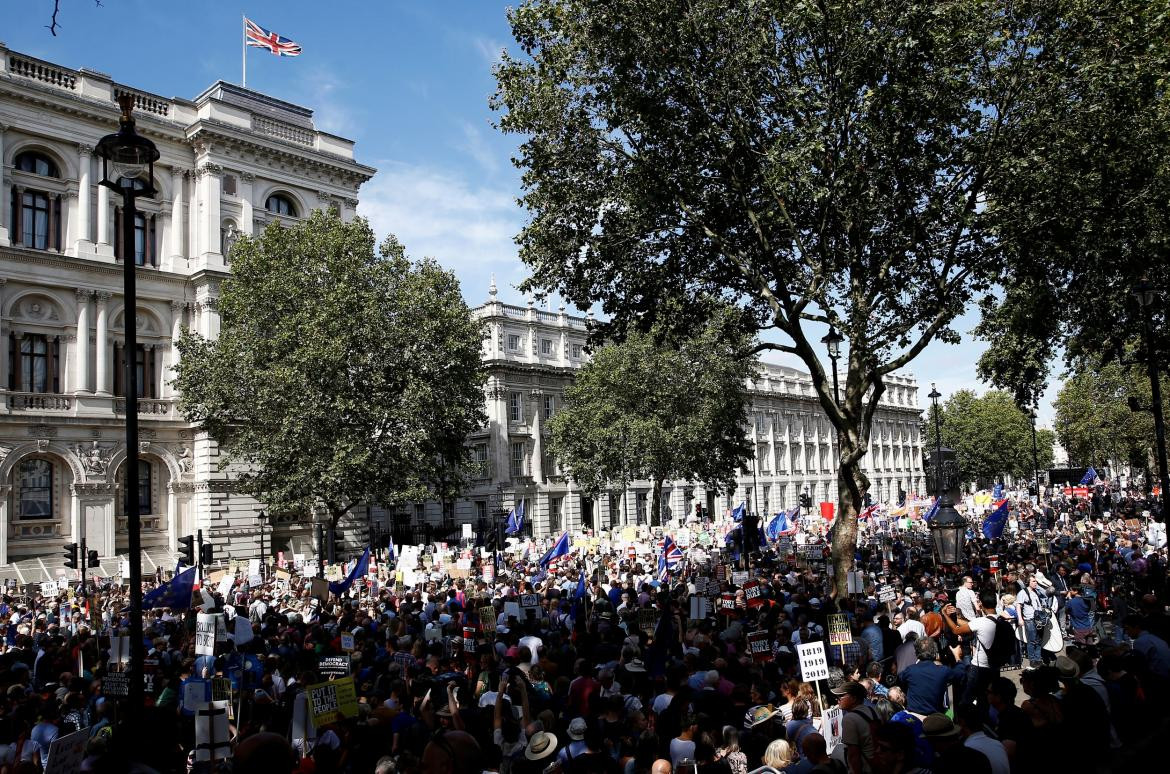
point(515, 407)
point(554, 514)
point(420, 513)
point(517, 460)
point(548, 406)
point(35, 164)
point(145, 499)
point(448, 513)
point(145, 238)
point(767, 494)
point(36, 489)
point(34, 220)
point(279, 204)
point(577, 350)
point(33, 364)
point(614, 505)
point(146, 366)
point(546, 346)
point(513, 342)
point(640, 507)
point(481, 510)
point(229, 185)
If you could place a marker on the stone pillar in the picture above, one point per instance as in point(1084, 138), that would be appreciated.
point(5, 491)
point(176, 212)
point(537, 440)
point(81, 380)
point(211, 203)
point(172, 354)
point(103, 218)
point(85, 164)
point(245, 225)
point(3, 332)
point(4, 210)
point(102, 384)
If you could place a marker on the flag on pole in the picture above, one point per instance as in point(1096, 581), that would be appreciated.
point(359, 571)
point(997, 491)
point(932, 511)
point(391, 552)
point(1089, 478)
point(868, 512)
point(258, 37)
point(737, 514)
point(559, 549)
point(175, 593)
point(670, 558)
point(515, 519)
point(996, 520)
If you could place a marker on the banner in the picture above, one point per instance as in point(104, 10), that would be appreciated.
point(332, 701)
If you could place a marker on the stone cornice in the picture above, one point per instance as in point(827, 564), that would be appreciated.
point(224, 134)
point(43, 258)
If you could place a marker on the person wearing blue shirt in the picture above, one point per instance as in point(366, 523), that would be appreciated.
point(1080, 615)
point(926, 681)
point(872, 634)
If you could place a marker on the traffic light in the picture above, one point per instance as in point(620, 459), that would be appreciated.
point(868, 500)
point(71, 556)
point(699, 511)
point(206, 554)
point(805, 500)
point(92, 560)
point(187, 550)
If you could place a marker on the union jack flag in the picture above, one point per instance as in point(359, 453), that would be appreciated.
point(259, 37)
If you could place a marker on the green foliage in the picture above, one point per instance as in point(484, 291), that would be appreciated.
point(646, 410)
point(805, 162)
point(340, 374)
point(991, 436)
point(1093, 419)
point(1084, 212)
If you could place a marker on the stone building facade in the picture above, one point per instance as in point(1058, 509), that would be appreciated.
point(532, 355)
point(233, 161)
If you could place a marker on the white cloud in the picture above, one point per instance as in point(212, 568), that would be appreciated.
point(476, 147)
point(488, 48)
point(467, 226)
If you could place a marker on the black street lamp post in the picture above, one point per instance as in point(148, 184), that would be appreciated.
point(832, 341)
point(128, 167)
point(948, 529)
point(1035, 458)
point(1146, 295)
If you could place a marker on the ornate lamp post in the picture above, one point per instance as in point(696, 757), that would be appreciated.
point(128, 167)
point(948, 530)
point(1035, 463)
point(832, 341)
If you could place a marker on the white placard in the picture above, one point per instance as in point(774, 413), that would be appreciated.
point(347, 642)
point(698, 608)
point(467, 534)
point(67, 752)
point(831, 722)
point(813, 664)
point(206, 628)
point(211, 732)
point(253, 566)
point(225, 585)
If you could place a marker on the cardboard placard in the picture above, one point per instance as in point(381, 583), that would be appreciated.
point(839, 633)
point(212, 741)
point(319, 589)
point(759, 647)
point(727, 604)
point(813, 664)
point(332, 701)
point(487, 618)
point(221, 689)
point(333, 666)
point(753, 593)
point(529, 601)
point(67, 752)
point(831, 727)
point(886, 593)
point(116, 684)
point(647, 619)
point(207, 627)
point(282, 575)
point(739, 577)
point(347, 642)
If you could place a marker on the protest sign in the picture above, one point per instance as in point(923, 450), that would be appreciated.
point(529, 601)
point(225, 584)
point(753, 593)
point(196, 693)
point(487, 618)
point(469, 639)
point(727, 604)
point(647, 619)
point(212, 742)
point(813, 664)
point(759, 647)
point(67, 752)
point(347, 642)
point(221, 689)
point(332, 701)
point(206, 627)
point(336, 666)
point(319, 589)
point(886, 593)
point(739, 577)
point(282, 575)
point(831, 727)
point(839, 633)
point(116, 684)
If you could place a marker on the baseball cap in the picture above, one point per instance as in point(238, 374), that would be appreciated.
point(851, 688)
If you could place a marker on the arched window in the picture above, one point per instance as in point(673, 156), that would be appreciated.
point(144, 487)
point(36, 215)
point(35, 164)
point(36, 489)
point(279, 204)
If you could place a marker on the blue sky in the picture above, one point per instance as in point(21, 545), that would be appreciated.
point(408, 80)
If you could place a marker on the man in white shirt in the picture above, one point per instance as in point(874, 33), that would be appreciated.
point(982, 629)
point(971, 725)
point(967, 600)
point(912, 624)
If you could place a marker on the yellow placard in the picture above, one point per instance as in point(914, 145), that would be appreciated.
point(332, 701)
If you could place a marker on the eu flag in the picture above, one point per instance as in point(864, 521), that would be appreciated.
point(737, 514)
point(175, 594)
point(932, 511)
point(996, 520)
point(359, 571)
point(1089, 478)
point(559, 549)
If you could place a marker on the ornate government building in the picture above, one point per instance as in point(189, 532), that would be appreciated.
point(532, 354)
point(233, 160)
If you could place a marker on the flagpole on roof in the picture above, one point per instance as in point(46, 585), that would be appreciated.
point(244, 51)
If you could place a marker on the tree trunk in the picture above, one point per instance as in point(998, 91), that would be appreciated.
point(331, 533)
point(656, 508)
point(852, 484)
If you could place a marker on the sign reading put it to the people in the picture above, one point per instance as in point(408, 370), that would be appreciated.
point(839, 633)
point(332, 701)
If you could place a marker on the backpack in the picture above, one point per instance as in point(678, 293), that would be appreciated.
point(1003, 647)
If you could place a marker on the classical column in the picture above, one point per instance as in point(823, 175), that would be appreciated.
point(81, 379)
point(4, 492)
point(211, 203)
point(3, 332)
point(103, 216)
point(85, 163)
point(4, 225)
point(245, 226)
point(176, 212)
point(101, 337)
point(171, 360)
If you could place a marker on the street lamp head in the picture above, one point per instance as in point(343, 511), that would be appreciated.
point(832, 341)
point(934, 393)
point(948, 530)
point(1144, 293)
point(127, 157)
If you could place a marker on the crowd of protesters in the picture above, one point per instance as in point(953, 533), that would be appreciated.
point(1045, 648)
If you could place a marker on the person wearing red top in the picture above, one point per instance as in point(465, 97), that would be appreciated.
point(582, 690)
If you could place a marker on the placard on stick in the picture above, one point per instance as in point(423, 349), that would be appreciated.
point(839, 633)
point(330, 702)
point(813, 664)
point(759, 647)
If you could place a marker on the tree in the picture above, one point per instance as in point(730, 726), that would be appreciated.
point(1094, 422)
point(1091, 210)
point(991, 436)
point(340, 374)
point(811, 163)
point(644, 408)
